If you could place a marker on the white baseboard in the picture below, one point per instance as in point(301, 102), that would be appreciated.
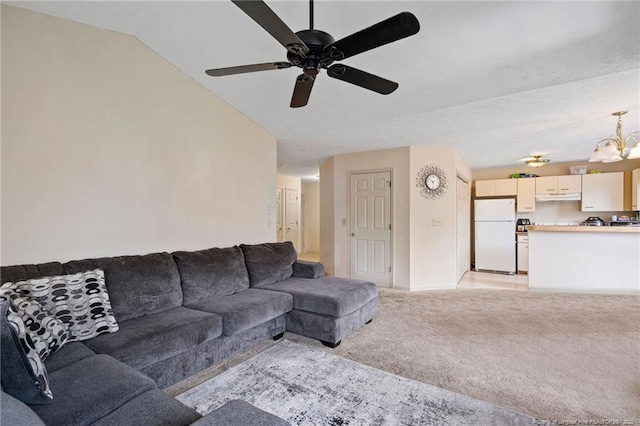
point(424, 288)
point(585, 290)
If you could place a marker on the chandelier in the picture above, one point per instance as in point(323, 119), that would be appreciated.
point(616, 148)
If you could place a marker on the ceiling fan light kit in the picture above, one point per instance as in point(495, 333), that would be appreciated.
point(313, 50)
point(616, 148)
point(537, 161)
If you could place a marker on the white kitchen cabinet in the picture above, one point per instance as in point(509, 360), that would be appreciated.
point(635, 189)
point(569, 184)
point(523, 252)
point(546, 185)
point(603, 192)
point(506, 187)
point(526, 198)
point(485, 188)
point(496, 187)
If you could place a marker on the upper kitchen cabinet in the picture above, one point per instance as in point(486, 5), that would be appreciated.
point(526, 198)
point(569, 184)
point(603, 192)
point(635, 189)
point(496, 188)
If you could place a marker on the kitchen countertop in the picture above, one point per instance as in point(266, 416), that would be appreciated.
point(596, 229)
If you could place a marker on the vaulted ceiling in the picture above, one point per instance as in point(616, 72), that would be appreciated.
point(498, 81)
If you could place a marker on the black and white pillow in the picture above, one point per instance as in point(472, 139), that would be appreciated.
point(22, 370)
point(79, 300)
point(46, 332)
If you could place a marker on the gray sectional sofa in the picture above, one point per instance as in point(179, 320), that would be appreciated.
point(178, 314)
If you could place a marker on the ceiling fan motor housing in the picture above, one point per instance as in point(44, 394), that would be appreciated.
point(315, 59)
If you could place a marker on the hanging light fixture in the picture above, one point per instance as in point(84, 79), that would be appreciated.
point(536, 161)
point(614, 148)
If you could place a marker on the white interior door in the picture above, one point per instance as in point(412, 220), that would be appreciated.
point(370, 227)
point(279, 214)
point(291, 216)
point(463, 218)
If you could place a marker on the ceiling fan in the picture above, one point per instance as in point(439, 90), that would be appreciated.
point(313, 50)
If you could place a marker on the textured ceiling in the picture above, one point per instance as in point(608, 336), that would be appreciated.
point(498, 81)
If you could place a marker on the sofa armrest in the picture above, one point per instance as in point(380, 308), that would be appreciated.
point(303, 269)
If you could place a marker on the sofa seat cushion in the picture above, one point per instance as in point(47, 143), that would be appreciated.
point(146, 340)
point(69, 354)
point(330, 296)
point(239, 412)
point(137, 285)
point(154, 407)
point(246, 309)
point(212, 272)
point(16, 412)
point(90, 389)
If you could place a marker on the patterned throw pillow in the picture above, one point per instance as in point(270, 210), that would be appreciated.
point(46, 332)
point(79, 300)
point(22, 370)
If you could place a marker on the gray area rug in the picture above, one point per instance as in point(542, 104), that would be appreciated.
point(307, 386)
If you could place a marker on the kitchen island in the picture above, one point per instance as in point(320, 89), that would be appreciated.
point(587, 259)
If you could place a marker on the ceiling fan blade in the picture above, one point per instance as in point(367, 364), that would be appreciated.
point(267, 19)
point(302, 90)
point(397, 27)
point(220, 72)
point(362, 79)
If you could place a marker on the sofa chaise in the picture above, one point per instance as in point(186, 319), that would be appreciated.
point(179, 314)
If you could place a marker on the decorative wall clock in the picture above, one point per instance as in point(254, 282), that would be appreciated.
point(432, 181)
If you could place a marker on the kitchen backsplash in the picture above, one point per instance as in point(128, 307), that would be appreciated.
point(565, 212)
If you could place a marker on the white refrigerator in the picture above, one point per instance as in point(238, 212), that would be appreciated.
point(495, 231)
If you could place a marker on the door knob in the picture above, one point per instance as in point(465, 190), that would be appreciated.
point(353, 235)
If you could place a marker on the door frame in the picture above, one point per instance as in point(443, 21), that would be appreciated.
point(391, 218)
point(468, 224)
point(296, 241)
point(303, 223)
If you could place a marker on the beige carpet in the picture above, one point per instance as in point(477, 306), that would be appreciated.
point(552, 356)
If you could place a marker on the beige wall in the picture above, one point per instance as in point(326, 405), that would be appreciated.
point(108, 149)
point(434, 248)
point(327, 215)
point(395, 160)
point(311, 192)
point(423, 256)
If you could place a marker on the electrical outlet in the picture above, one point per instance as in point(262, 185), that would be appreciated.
point(436, 222)
point(344, 221)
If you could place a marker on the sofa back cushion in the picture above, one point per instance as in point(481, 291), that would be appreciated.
point(26, 272)
point(269, 262)
point(137, 285)
point(211, 272)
